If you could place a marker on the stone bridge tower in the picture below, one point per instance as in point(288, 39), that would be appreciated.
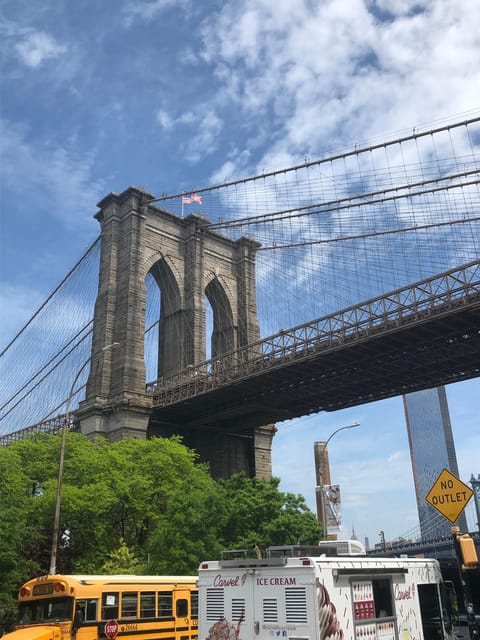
point(188, 262)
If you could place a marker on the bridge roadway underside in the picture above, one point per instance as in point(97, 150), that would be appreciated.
point(397, 360)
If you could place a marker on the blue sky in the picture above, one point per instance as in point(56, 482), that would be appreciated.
point(175, 95)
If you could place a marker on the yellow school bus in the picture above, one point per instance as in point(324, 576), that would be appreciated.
point(97, 607)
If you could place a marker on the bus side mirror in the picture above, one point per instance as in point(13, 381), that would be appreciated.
point(77, 620)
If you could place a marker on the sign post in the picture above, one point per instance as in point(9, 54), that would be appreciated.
point(450, 496)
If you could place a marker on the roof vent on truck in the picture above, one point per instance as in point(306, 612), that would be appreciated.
point(345, 547)
point(300, 551)
point(324, 548)
point(243, 558)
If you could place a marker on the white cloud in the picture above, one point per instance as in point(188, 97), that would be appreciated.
point(57, 171)
point(205, 141)
point(35, 47)
point(149, 9)
point(323, 71)
point(165, 120)
point(226, 172)
point(169, 122)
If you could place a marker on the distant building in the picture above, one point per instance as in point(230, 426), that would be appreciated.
point(431, 450)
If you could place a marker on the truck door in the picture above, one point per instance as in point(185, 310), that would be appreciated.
point(430, 611)
point(228, 607)
point(280, 604)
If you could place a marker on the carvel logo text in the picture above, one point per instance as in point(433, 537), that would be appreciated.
point(234, 581)
point(404, 594)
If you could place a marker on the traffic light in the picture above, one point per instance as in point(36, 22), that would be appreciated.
point(468, 551)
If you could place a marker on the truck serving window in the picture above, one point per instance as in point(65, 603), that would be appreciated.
point(382, 595)
point(372, 599)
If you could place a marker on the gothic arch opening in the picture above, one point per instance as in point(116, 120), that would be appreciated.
point(164, 344)
point(223, 330)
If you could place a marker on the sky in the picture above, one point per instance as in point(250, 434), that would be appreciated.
point(172, 95)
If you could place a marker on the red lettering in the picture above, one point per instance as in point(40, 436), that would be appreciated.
point(403, 594)
point(226, 582)
point(283, 581)
point(275, 581)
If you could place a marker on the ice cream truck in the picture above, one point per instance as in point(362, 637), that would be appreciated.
point(323, 597)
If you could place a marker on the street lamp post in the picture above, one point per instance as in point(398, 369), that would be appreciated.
point(58, 499)
point(320, 452)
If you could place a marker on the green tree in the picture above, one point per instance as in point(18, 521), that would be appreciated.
point(18, 535)
point(258, 513)
point(122, 561)
point(143, 506)
point(189, 529)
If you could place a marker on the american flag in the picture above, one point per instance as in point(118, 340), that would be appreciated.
point(193, 197)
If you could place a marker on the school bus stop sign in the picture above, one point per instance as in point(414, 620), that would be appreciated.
point(449, 495)
point(111, 629)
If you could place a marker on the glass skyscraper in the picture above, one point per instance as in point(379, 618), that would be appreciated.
point(431, 450)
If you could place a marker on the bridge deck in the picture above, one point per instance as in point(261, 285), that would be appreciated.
point(389, 354)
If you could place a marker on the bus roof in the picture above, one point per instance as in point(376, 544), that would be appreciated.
point(121, 579)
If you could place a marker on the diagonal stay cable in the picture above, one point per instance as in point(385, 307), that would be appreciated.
point(357, 151)
point(57, 288)
point(267, 217)
point(369, 235)
point(35, 386)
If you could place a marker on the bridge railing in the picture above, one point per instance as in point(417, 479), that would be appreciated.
point(414, 303)
point(52, 426)
point(435, 296)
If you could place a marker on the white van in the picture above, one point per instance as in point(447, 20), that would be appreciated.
point(322, 598)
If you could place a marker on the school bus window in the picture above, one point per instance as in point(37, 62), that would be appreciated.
point(165, 604)
point(109, 606)
point(88, 609)
point(194, 604)
point(147, 605)
point(91, 610)
point(129, 604)
point(58, 609)
point(182, 608)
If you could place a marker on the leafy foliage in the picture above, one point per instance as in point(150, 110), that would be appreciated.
point(259, 514)
point(121, 561)
point(133, 506)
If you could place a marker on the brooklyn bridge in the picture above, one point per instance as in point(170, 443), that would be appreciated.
point(328, 284)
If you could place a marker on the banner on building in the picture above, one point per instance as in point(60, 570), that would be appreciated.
point(333, 508)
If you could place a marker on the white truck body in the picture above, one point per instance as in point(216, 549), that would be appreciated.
point(322, 598)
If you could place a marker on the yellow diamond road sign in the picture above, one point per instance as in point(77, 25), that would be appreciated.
point(449, 495)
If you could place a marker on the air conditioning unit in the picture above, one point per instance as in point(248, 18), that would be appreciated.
point(344, 547)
